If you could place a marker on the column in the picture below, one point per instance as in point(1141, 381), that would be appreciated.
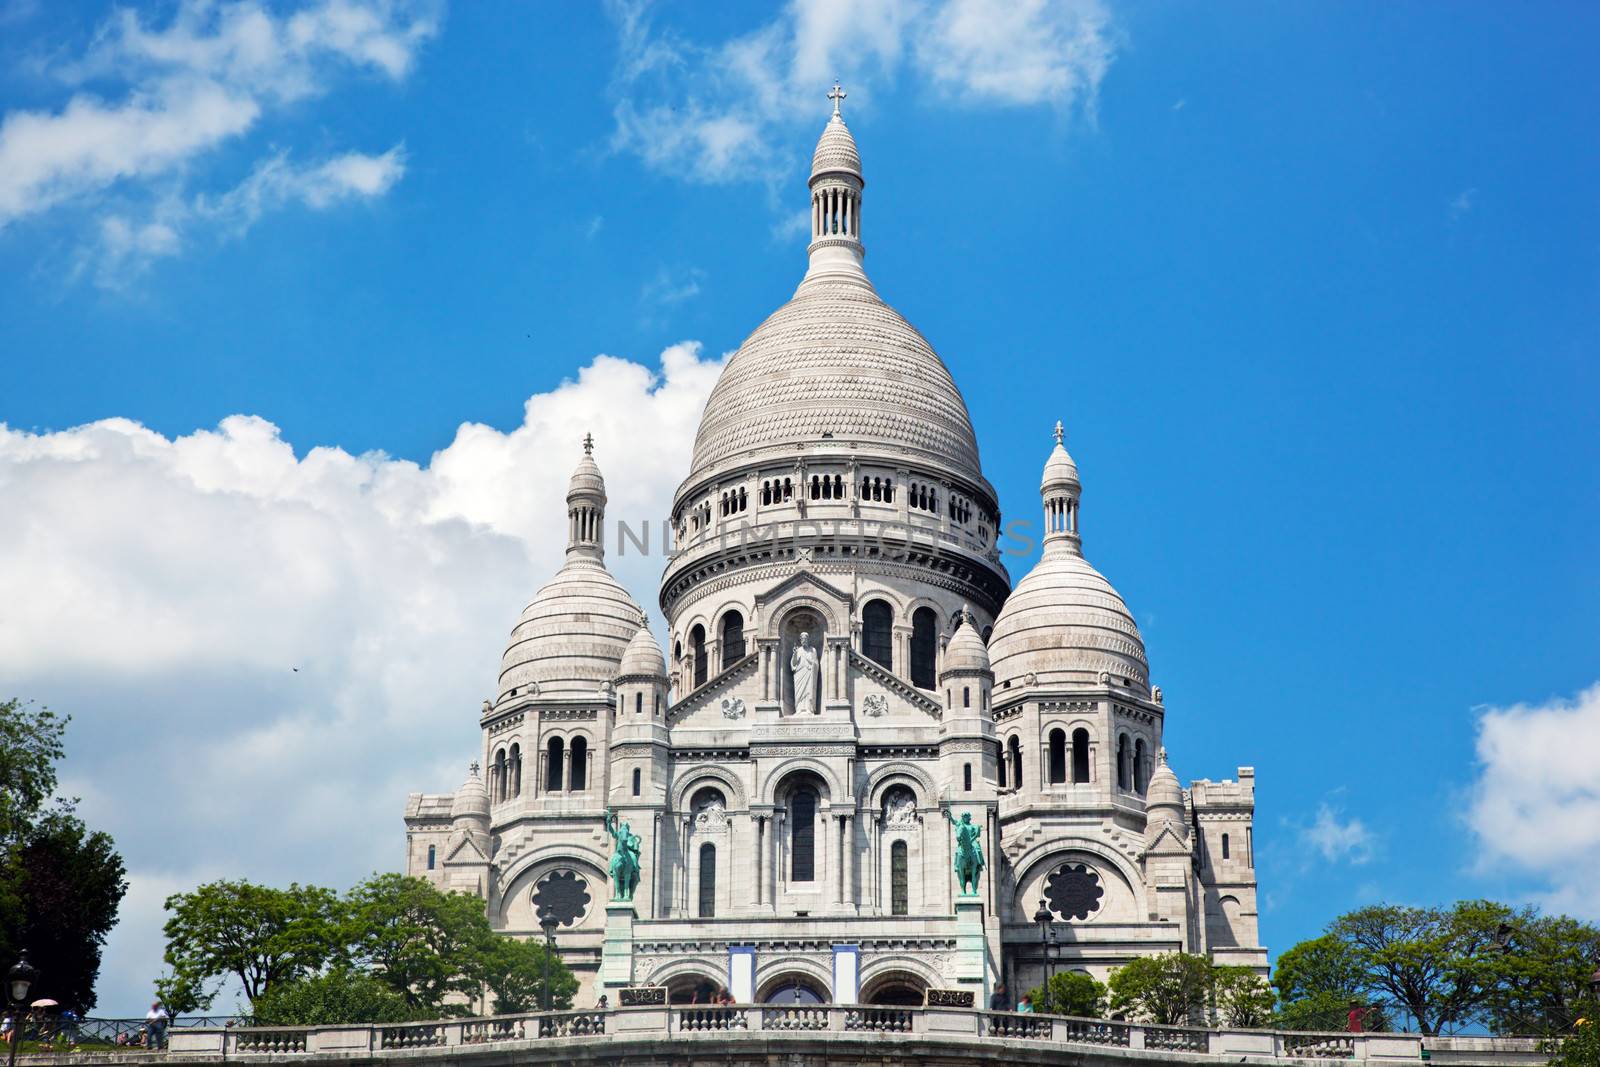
point(839, 880)
point(761, 858)
point(656, 881)
point(850, 896)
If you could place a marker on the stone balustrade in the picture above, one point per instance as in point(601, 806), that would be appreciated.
point(822, 1034)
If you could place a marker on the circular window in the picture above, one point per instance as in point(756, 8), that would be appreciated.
point(1074, 891)
point(562, 895)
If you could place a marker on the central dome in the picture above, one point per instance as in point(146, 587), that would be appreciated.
point(835, 361)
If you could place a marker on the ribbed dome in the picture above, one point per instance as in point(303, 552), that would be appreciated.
point(835, 360)
point(572, 637)
point(836, 150)
point(472, 799)
point(966, 651)
point(1164, 790)
point(643, 656)
point(1059, 470)
point(1064, 624)
point(586, 478)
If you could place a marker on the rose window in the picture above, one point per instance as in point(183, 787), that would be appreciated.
point(1074, 891)
point(562, 895)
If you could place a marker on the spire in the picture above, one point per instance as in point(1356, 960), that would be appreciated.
point(836, 185)
point(586, 506)
point(1060, 489)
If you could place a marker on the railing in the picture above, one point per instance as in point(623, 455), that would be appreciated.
point(962, 1026)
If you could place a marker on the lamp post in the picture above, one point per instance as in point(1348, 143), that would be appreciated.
point(18, 982)
point(548, 924)
point(1044, 918)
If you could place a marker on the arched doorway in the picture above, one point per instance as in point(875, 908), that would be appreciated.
point(792, 988)
point(897, 989)
point(692, 989)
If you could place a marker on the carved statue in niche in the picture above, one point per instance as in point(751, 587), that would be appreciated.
point(803, 666)
point(709, 811)
point(899, 807)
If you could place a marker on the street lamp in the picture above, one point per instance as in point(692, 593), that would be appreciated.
point(18, 982)
point(1044, 918)
point(548, 924)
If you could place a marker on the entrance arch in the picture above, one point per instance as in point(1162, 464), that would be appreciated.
point(895, 988)
point(792, 987)
point(692, 989)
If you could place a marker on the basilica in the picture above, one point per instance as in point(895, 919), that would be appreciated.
point(850, 676)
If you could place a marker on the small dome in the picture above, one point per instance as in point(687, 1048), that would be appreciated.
point(570, 639)
point(966, 651)
point(643, 656)
point(1164, 790)
point(472, 799)
point(1059, 470)
point(1066, 625)
point(586, 479)
point(836, 151)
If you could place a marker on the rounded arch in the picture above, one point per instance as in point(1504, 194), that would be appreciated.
point(686, 979)
point(924, 648)
point(778, 781)
point(898, 603)
point(918, 780)
point(732, 630)
point(773, 616)
point(877, 631)
point(889, 973)
point(1039, 859)
point(733, 789)
point(784, 975)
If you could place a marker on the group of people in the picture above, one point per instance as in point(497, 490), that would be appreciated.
point(1000, 1000)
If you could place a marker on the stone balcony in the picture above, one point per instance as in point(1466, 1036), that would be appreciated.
point(810, 1036)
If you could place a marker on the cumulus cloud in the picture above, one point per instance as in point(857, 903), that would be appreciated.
point(164, 590)
point(724, 111)
point(1337, 839)
point(148, 103)
point(1535, 804)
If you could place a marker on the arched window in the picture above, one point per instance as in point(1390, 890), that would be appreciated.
point(1016, 762)
point(1080, 755)
point(1122, 762)
point(1138, 766)
point(816, 488)
point(838, 487)
point(899, 879)
point(708, 880)
point(433, 856)
point(577, 775)
point(1224, 846)
point(638, 702)
point(697, 650)
point(497, 788)
point(924, 647)
point(1058, 757)
point(514, 768)
point(1002, 766)
point(732, 639)
point(637, 776)
point(552, 766)
point(966, 777)
point(877, 633)
point(802, 835)
point(966, 696)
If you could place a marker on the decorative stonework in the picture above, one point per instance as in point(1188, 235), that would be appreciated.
point(875, 705)
point(733, 707)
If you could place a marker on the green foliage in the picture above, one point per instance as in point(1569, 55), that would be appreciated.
point(1581, 1047)
point(1543, 974)
point(1318, 981)
point(514, 972)
point(339, 996)
point(1243, 998)
point(1071, 994)
point(257, 934)
point(1171, 989)
point(425, 944)
point(60, 883)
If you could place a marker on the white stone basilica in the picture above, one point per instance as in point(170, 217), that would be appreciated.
point(850, 670)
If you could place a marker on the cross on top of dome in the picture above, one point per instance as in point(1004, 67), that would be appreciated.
point(1060, 432)
point(588, 444)
point(837, 95)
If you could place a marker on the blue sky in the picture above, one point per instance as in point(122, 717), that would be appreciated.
point(307, 305)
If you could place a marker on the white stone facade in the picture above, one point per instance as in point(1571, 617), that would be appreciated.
point(801, 848)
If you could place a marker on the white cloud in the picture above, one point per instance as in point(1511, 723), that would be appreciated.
point(1462, 203)
point(203, 80)
point(720, 112)
point(171, 586)
point(1536, 802)
point(1338, 839)
point(671, 287)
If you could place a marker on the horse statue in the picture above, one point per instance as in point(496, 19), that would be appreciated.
point(969, 852)
point(624, 858)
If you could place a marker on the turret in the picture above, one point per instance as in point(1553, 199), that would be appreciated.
point(836, 187)
point(966, 683)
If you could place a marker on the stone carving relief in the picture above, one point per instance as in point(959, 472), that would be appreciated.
point(709, 811)
point(733, 707)
point(899, 808)
point(875, 705)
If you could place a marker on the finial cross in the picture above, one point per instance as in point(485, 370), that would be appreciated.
point(1059, 431)
point(837, 95)
point(474, 768)
point(588, 444)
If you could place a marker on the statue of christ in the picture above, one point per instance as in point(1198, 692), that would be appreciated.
point(803, 665)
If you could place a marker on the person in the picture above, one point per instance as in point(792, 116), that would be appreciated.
point(603, 1004)
point(155, 1021)
point(999, 1000)
point(1027, 1004)
point(1356, 1017)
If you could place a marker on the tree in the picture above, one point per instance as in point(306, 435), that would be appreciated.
point(424, 944)
point(514, 972)
point(1318, 981)
point(256, 933)
point(60, 883)
point(1244, 999)
point(1172, 988)
point(1581, 1048)
point(69, 882)
point(1436, 965)
point(1071, 994)
point(1542, 974)
point(339, 996)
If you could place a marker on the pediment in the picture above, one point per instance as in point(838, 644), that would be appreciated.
point(802, 580)
point(465, 851)
point(1168, 843)
point(714, 690)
